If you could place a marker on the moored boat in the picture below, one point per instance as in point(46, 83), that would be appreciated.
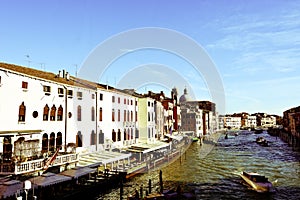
point(258, 182)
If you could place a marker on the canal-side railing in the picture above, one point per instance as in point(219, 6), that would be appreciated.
point(35, 165)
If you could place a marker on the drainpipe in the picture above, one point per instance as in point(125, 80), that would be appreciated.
point(96, 119)
point(66, 116)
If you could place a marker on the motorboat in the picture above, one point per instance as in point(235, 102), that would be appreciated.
point(262, 141)
point(258, 182)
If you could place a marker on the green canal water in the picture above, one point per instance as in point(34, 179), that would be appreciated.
point(212, 173)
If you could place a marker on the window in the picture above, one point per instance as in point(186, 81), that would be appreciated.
point(113, 115)
point(131, 116)
point(148, 104)
point(93, 138)
point(93, 113)
point(119, 135)
point(46, 113)
point(119, 100)
point(70, 93)
point(78, 113)
point(113, 99)
point(124, 134)
point(114, 136)
point(101, 137)
point(52, 142)
point(79, 95)
point(93, 96)
point(101, 97)
point(22, 111)
point(35, 114)
point(136, 114)
point(0, 80)
point(100, 114)
point(60, 92)
point(60, 113)
point(47, 89)
point(124, 101)
point(124, 115)
point(131, 102)
point(148, 116)
point(79, 139)
point(45, 143)
point(59, 140)
point(24, 85)
point(52, 113)
point(119, 115)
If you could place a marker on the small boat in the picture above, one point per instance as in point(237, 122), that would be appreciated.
point(258, 182)
point(258, 130)
point(262, 141)
point(195, 139)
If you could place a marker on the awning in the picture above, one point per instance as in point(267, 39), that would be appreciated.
point(100, 158)
point(20, 132)
point(77, 172)
point(48, 179)
point(146, 148)
point(10, 188)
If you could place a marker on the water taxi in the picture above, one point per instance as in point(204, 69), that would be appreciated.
point(258, 182)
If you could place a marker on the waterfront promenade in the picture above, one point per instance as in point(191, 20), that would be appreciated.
point(102, 169)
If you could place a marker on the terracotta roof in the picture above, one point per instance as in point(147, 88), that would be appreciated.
point(74, 81)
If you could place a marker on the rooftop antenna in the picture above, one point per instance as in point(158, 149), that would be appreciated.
point(28, 59)
point(75, 70)
point(43, 66)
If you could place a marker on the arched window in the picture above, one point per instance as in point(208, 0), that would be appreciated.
point(60, 113)
point(93, 138)
point(52, 113)
point(100, 114)
point(59, 140)
point(52, 142)
point(45, 143)
point(114, 135)
point(46, 113)
point(22, 111)
point(125, 134)
point(119, 135)
point(113, 115)
point(148, 116)
point(119, 115)
point(78, 113)
point(124, 115)
point(131, 116)
point(93, 113)
point(79, 139)
point(101, 137)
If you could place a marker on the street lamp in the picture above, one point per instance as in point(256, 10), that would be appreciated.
point(27, 187)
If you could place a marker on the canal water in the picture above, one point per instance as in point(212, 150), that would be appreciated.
point(212, 173)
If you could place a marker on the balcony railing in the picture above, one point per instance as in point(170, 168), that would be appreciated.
point(35, 165)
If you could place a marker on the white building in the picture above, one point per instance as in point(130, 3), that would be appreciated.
point(268, 121)
point(233, 122)
point(251, 121)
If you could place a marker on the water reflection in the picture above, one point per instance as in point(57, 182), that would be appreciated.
point(215, 176)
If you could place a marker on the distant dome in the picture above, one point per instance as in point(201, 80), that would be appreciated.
point(185, 97)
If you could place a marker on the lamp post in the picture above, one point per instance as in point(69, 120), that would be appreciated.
point(27, 187)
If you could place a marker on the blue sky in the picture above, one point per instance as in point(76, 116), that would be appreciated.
point(255, 45)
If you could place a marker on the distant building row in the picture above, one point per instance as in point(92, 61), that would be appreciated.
point(245, 121)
